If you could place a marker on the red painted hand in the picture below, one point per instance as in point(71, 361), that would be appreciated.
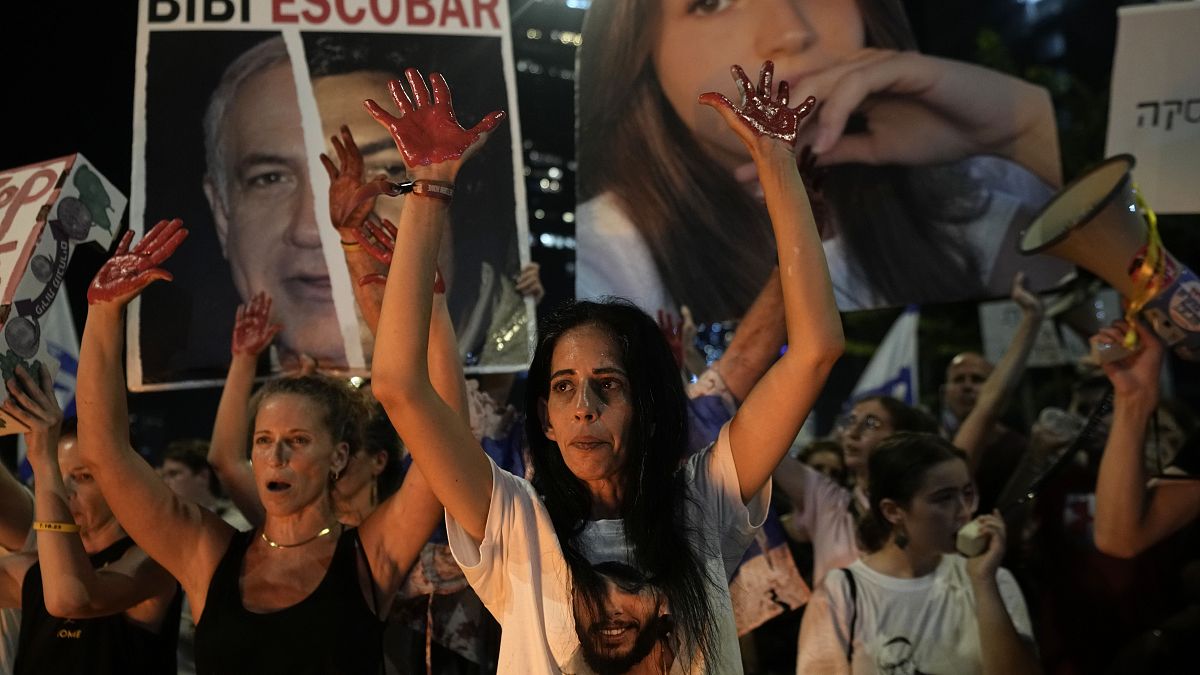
point(350, 201)
point(377, 238)
point(758, 111)
point(427, 132)
point(130, 270)
point(252, 329)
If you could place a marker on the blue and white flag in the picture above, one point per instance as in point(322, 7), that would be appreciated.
point(893, 369)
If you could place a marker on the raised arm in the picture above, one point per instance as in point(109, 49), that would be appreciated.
point(1131, 517)
point(434, 146)
point(184, 538)
point(765, 426)
point(351, 202)
point(1003, 650)
point(397, 531)
point(973, 433)
point(227, 452)
point(16, 511)
point(78, 590)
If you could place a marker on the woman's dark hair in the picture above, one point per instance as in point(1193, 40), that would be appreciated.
point(896, 471)
point(654, 488)
point(344, 408)
point(193, 453)
point(903, 416)
point(683, 203)
point(380, 436)
point(817, 447)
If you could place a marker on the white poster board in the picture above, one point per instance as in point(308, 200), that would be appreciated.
point(1154, 113)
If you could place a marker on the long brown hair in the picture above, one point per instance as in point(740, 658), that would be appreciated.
point(711, 241)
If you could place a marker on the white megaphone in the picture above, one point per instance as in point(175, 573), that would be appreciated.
point(1095, 223)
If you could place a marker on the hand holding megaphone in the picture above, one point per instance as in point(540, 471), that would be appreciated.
point(1099, 223)
point(983, 542)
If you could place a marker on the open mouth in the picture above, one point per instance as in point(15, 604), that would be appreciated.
point(277, 486)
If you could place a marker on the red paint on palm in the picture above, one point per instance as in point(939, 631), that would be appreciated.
point(252, 329)
point(427, 131)
point(131, 270)
point(378, 238)
point(766, 115)
point(350, 200)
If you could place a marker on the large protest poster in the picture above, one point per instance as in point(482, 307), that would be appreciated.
point(235, 101)
point(911, 209)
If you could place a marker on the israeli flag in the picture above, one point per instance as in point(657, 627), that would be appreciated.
point(893, 369)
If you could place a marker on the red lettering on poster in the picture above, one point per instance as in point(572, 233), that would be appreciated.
point(488, 6)
point(425, 10)
point(453, 8)
point(320, 17)
point(277, 14)
point(12, 198)
point(380, 17)
point(347, 17)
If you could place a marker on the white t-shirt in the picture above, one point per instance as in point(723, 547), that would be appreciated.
point(903, 626)
point(520, 574)
point(612, 257)
point(824, 515)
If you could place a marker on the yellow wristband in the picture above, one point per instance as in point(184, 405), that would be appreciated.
point(350, 245)
point(49, 526)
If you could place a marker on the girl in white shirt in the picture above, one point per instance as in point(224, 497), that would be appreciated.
point(913, 605)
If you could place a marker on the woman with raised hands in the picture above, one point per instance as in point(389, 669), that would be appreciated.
point(90, 599)
point(606, 423)
point(371, 468)
point(301, 594)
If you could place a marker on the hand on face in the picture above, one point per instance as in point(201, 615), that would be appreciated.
point(917, 109)
point(252, 329)
point(34, 405)
point(129, 271)
point(760, 116)
point(427, 132)
point(350, 201)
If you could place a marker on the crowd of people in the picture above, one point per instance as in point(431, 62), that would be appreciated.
point(419, 523)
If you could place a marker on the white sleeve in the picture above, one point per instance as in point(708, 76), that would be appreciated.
point(824, 637)
point(715, 485)
point(611, 258)
point(1014, 602)
point(513, 531)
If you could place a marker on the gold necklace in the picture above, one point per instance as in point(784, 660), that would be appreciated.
point(275, 544)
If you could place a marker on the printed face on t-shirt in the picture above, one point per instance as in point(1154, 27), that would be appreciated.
point(627, 632)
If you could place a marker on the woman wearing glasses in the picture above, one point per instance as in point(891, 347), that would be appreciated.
point(827, 511)
point(911, 605)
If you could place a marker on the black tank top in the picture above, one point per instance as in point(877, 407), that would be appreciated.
point(332, 631)
point(106, 645)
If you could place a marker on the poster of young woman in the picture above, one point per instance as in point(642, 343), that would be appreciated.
point(231, 143)
point(921, 171)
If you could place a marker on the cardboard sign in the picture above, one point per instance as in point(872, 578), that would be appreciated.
point(46, 209)
point(231, 144)
point(1154, 113)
